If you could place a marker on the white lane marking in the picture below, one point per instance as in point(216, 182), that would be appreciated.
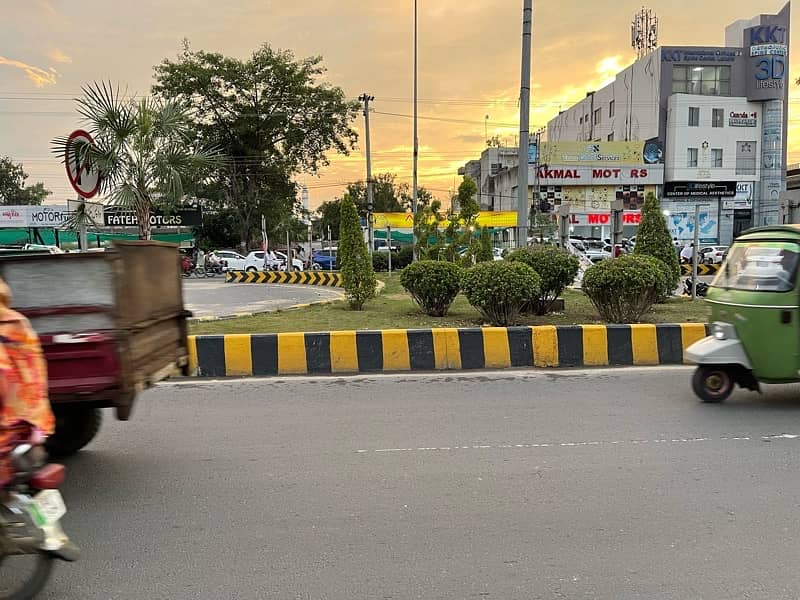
point(693, 440)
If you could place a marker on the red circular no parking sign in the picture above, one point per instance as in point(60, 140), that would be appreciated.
point(85, 178)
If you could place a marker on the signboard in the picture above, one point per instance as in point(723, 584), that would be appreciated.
point(48, 216)
point(743, 119)
point(680, 54)
point(499, 218)
point(767, 51)
point(596, 197)
point(629, 217)
point(699, 189)
point(94, 210)
point(84, 179)
point(182, 217)
point(13, 216)
point(598, 153)
point(680, 221)
point(533, 153)
point(600, 175)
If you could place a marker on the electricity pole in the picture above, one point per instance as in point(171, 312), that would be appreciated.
point(416, 141)
point(366, 99)
point(524, 123)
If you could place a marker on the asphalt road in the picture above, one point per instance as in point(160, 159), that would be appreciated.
point(213, 297)
point(586, 484)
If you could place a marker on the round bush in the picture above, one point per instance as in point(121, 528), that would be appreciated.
point(403, 258)
point(557, 268)
point(432, 284)
point(665, 273)
point(380, 261)
point(498, 289)
point(625, 288)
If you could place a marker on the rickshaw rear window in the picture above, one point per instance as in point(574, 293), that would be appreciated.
point(761, 266)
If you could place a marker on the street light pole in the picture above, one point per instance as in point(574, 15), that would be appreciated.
point(416, 141)
point(366, 99)
point(524, 122)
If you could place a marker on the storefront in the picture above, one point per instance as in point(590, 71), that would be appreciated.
point(590, 176)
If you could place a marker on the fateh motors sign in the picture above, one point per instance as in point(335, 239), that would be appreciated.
point(498, 219)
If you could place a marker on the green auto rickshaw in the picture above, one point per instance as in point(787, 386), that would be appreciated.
point(755, 316)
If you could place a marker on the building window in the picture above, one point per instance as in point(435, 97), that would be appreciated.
point(610, 109)
point(610, 137)
point(745, 158)
point(580, 121)
point(694, 116)
point(691, 157)
point(718, 117)
point(706, 80)
point(598, 114)
point(716, 158)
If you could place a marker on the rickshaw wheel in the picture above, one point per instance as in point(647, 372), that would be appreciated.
point(712, 383)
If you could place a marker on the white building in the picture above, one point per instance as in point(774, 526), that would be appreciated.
point(716, 115)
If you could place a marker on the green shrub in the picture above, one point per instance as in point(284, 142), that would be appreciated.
point(653, 239)
point(483, 252)
point(432, 284)
point(665, 273)
point(380, 261)
point(354, 260)
point(624, 289)
point(403, 258)
point(498, 289)
point(557, 268)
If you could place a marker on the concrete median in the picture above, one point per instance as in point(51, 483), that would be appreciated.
point(394, 350)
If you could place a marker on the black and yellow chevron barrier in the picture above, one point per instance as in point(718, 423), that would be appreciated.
point(702, 270)
point(329, 278)
point(440, 349)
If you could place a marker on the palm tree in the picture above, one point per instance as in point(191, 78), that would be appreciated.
point(142, 148)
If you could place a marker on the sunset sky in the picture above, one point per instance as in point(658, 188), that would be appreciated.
point(469, 53)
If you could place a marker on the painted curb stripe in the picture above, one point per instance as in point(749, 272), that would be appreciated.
point(470, 343)
point(441, 349)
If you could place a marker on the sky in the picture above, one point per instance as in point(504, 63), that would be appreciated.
point(469, 66)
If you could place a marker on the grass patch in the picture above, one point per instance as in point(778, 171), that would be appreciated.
point(394, 309)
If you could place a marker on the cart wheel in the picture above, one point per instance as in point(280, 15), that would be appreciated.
point(76, 426)
point(712, 383)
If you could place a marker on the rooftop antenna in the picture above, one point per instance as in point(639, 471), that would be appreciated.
point(644, 32)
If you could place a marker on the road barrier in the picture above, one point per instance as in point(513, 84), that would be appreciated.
point(329, 278)
point(440, 349)
point(702, 270)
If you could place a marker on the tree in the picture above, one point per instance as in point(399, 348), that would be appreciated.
point(484, 251)
point(330, 216)
point(142, 148)
point(272, 115)
point(354, 259)
point(653, 239)
point(12, 185)
point(387, 196)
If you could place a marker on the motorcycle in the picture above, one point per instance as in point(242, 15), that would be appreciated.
point(31, 506)
point(702, 288)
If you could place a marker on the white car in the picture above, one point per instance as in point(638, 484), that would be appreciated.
point(233, 260)
point(255, 261)
point(713, 255)
point(497, 253)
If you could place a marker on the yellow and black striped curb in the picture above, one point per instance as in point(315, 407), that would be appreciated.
point(329, 278)
point(702, 270)
point(440, 349)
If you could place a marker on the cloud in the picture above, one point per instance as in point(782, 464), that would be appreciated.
point(40, 77)
point(58, 56)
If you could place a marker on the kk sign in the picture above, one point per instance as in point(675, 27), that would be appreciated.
point(768, 50)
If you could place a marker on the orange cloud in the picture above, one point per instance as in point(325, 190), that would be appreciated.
point(58, 56)
point(40, 77)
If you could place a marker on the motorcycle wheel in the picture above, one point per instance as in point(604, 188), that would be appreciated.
point(199, 272)
point(20, 583)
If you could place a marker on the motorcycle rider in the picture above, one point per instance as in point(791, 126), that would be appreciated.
point(23, 379)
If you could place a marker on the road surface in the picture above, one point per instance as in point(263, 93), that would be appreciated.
point(586, 484)
point(213, 297)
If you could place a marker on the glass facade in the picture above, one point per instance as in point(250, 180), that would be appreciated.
point(702, 80)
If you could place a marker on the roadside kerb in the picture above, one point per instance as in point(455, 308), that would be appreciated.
point(393, 350)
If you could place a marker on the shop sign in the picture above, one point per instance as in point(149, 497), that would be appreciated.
point(600, 175)
point(743, 119)
point(699, 189)
point(182, 217)
point(600, 153)
point(629, 217)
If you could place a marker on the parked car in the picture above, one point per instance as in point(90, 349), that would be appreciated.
point(297, 264)
point(597, 251)
point(713, 255)
point(233, 261)
point(324, 260)
point(497, 253)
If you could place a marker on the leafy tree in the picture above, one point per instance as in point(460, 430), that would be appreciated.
point(219, 230)
point(484, 252)
point(387, 196)
point(653, 239)
point(12, 185)
point(143, 149)
point(272, 114)
point(354, 260)
point(330, 216)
